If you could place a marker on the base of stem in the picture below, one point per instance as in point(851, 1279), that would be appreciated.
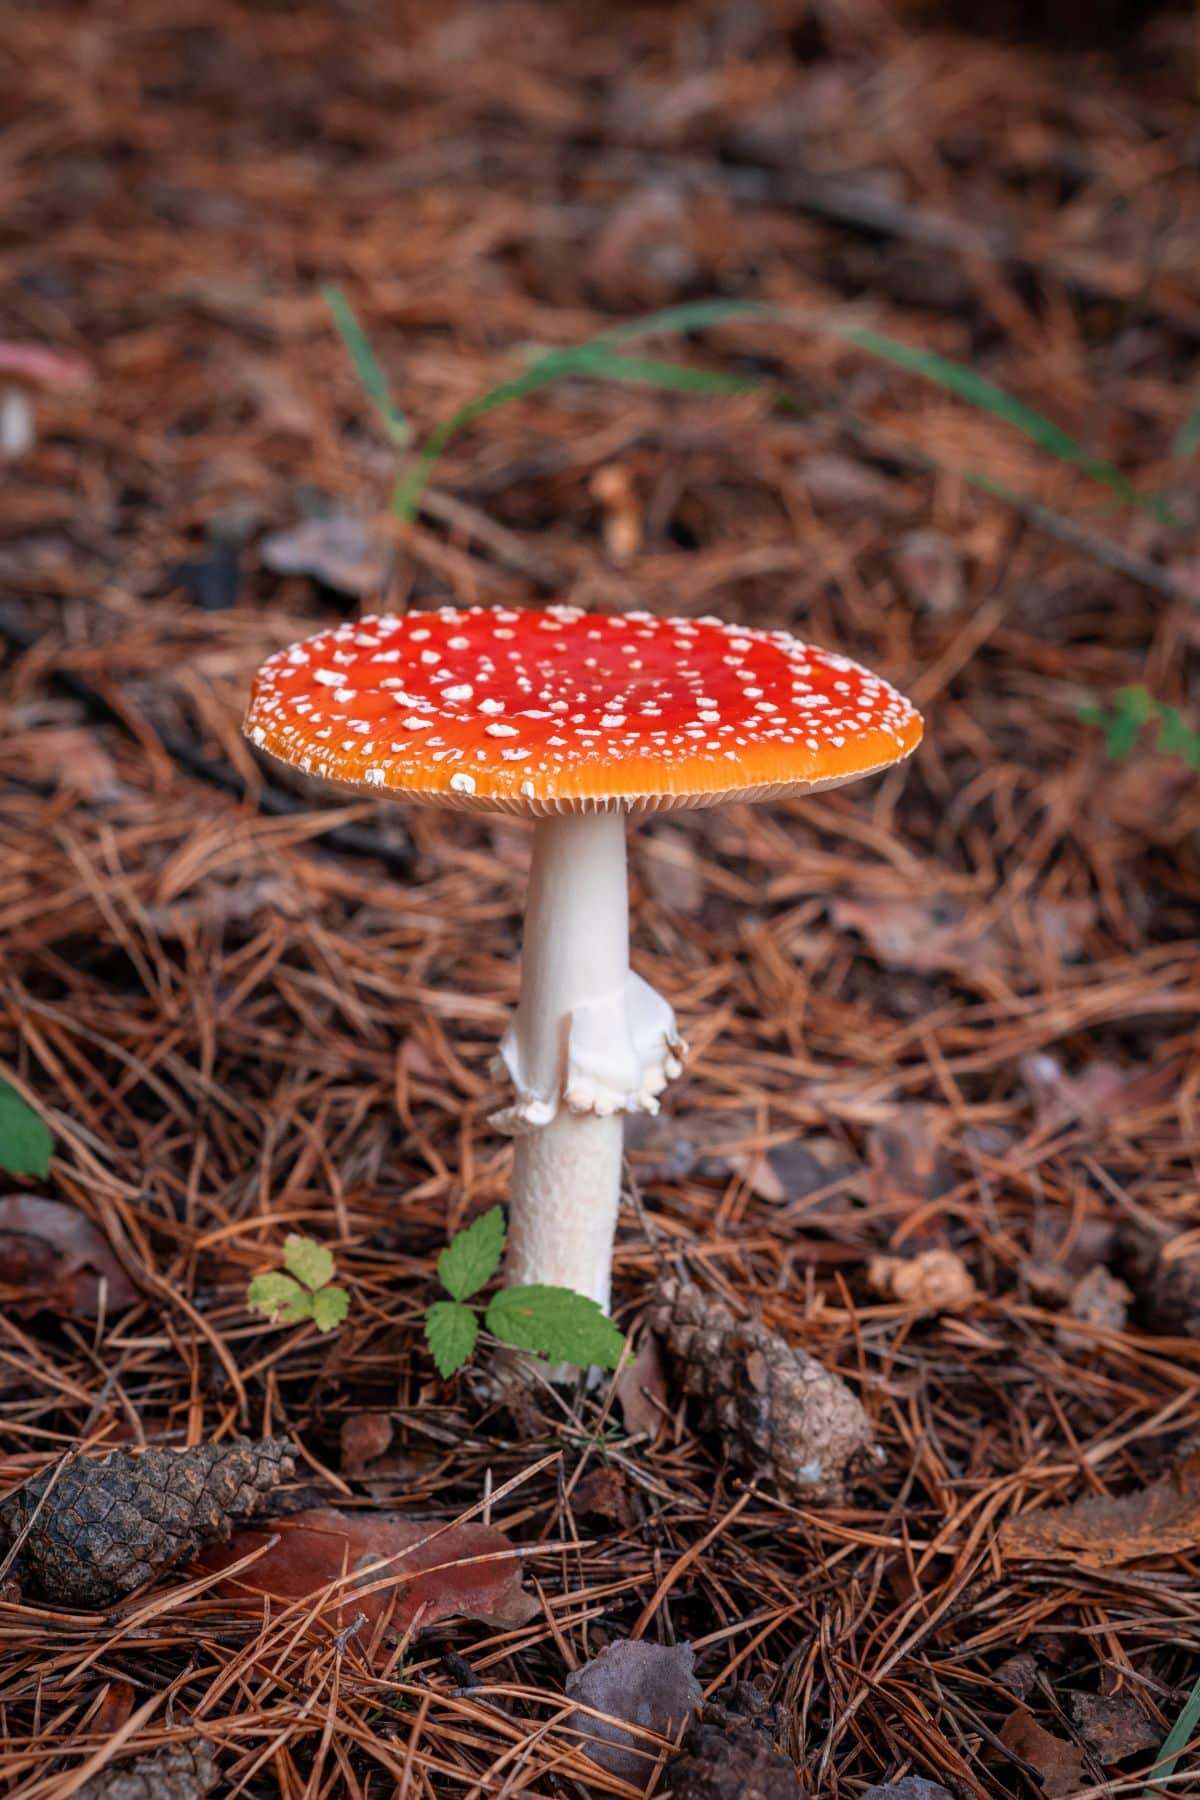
point(567, 1188)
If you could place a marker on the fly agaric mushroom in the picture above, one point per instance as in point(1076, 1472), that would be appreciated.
point(25, 370)
point(575, 719)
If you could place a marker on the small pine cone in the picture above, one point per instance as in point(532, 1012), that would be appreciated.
point(776, 1410)
point(179, 1772)
point(731, 1753)
point(1166, 1289)
point(107, 1526)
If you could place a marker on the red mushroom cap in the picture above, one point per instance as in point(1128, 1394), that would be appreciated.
point(567, 711)
point(42, 366)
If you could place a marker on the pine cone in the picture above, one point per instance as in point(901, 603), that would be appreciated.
point(107, 1526)
point(1167, 1291)
point(731, 1753)
point(180, 1772)
point(777, 1412)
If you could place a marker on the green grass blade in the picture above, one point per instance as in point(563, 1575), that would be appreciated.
point(366, 365)
point(983, 394)
point(598, 360)
point(603, 364)
point(691, 315)
point(1185, 1728)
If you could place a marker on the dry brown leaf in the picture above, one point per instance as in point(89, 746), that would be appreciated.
point(1114, 1726)
point(642, 1388)
point(51, 1255)
point(1061, 1765)
point(116, 1704)
point(364, 1439)
point(934, 1280)
point(603, 1493)
point(1099, 1533)
point(924, 935)
point(429, 1573)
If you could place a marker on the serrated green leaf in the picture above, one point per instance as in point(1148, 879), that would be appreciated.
point(26, 1144)
point(450, 1332)
point(473, 1256)
point(329, 1307)
point(279, 1297)
point(308, 1261)
point(556, 1323)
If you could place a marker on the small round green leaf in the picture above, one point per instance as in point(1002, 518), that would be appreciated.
point(308, 1261)
point(450, 1332)
point(329, 1307)
point(473, 1256)
point(279, 1297)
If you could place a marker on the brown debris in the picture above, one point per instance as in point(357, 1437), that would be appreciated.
point(1114, 1726)
point(384, 1570)
point(51, 1255)
point(909, 1787)
point(177, 1772)
point(731, 1753)
point(932, 1281)
point(775, 1412)
point(1061, 1766)
point(91, 1532)
point(365, 1437)
point(1096, 1532)
point(1099, 1299)
point(1165, 1278)
point(642, 1389)
point(641, 1692)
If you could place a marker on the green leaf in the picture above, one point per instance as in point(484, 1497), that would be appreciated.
point(366, 365)
point(473, 1256)
point(26, 1144)
point(556, 1323)
point(450, 1332)
point(308, 1261)
point(279, 1297)
point(329, 1307)
point(1175, 735)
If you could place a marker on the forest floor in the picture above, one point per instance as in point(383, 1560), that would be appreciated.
point(952, 1010)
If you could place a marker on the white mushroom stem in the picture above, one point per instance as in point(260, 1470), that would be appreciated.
point(589, 1042)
